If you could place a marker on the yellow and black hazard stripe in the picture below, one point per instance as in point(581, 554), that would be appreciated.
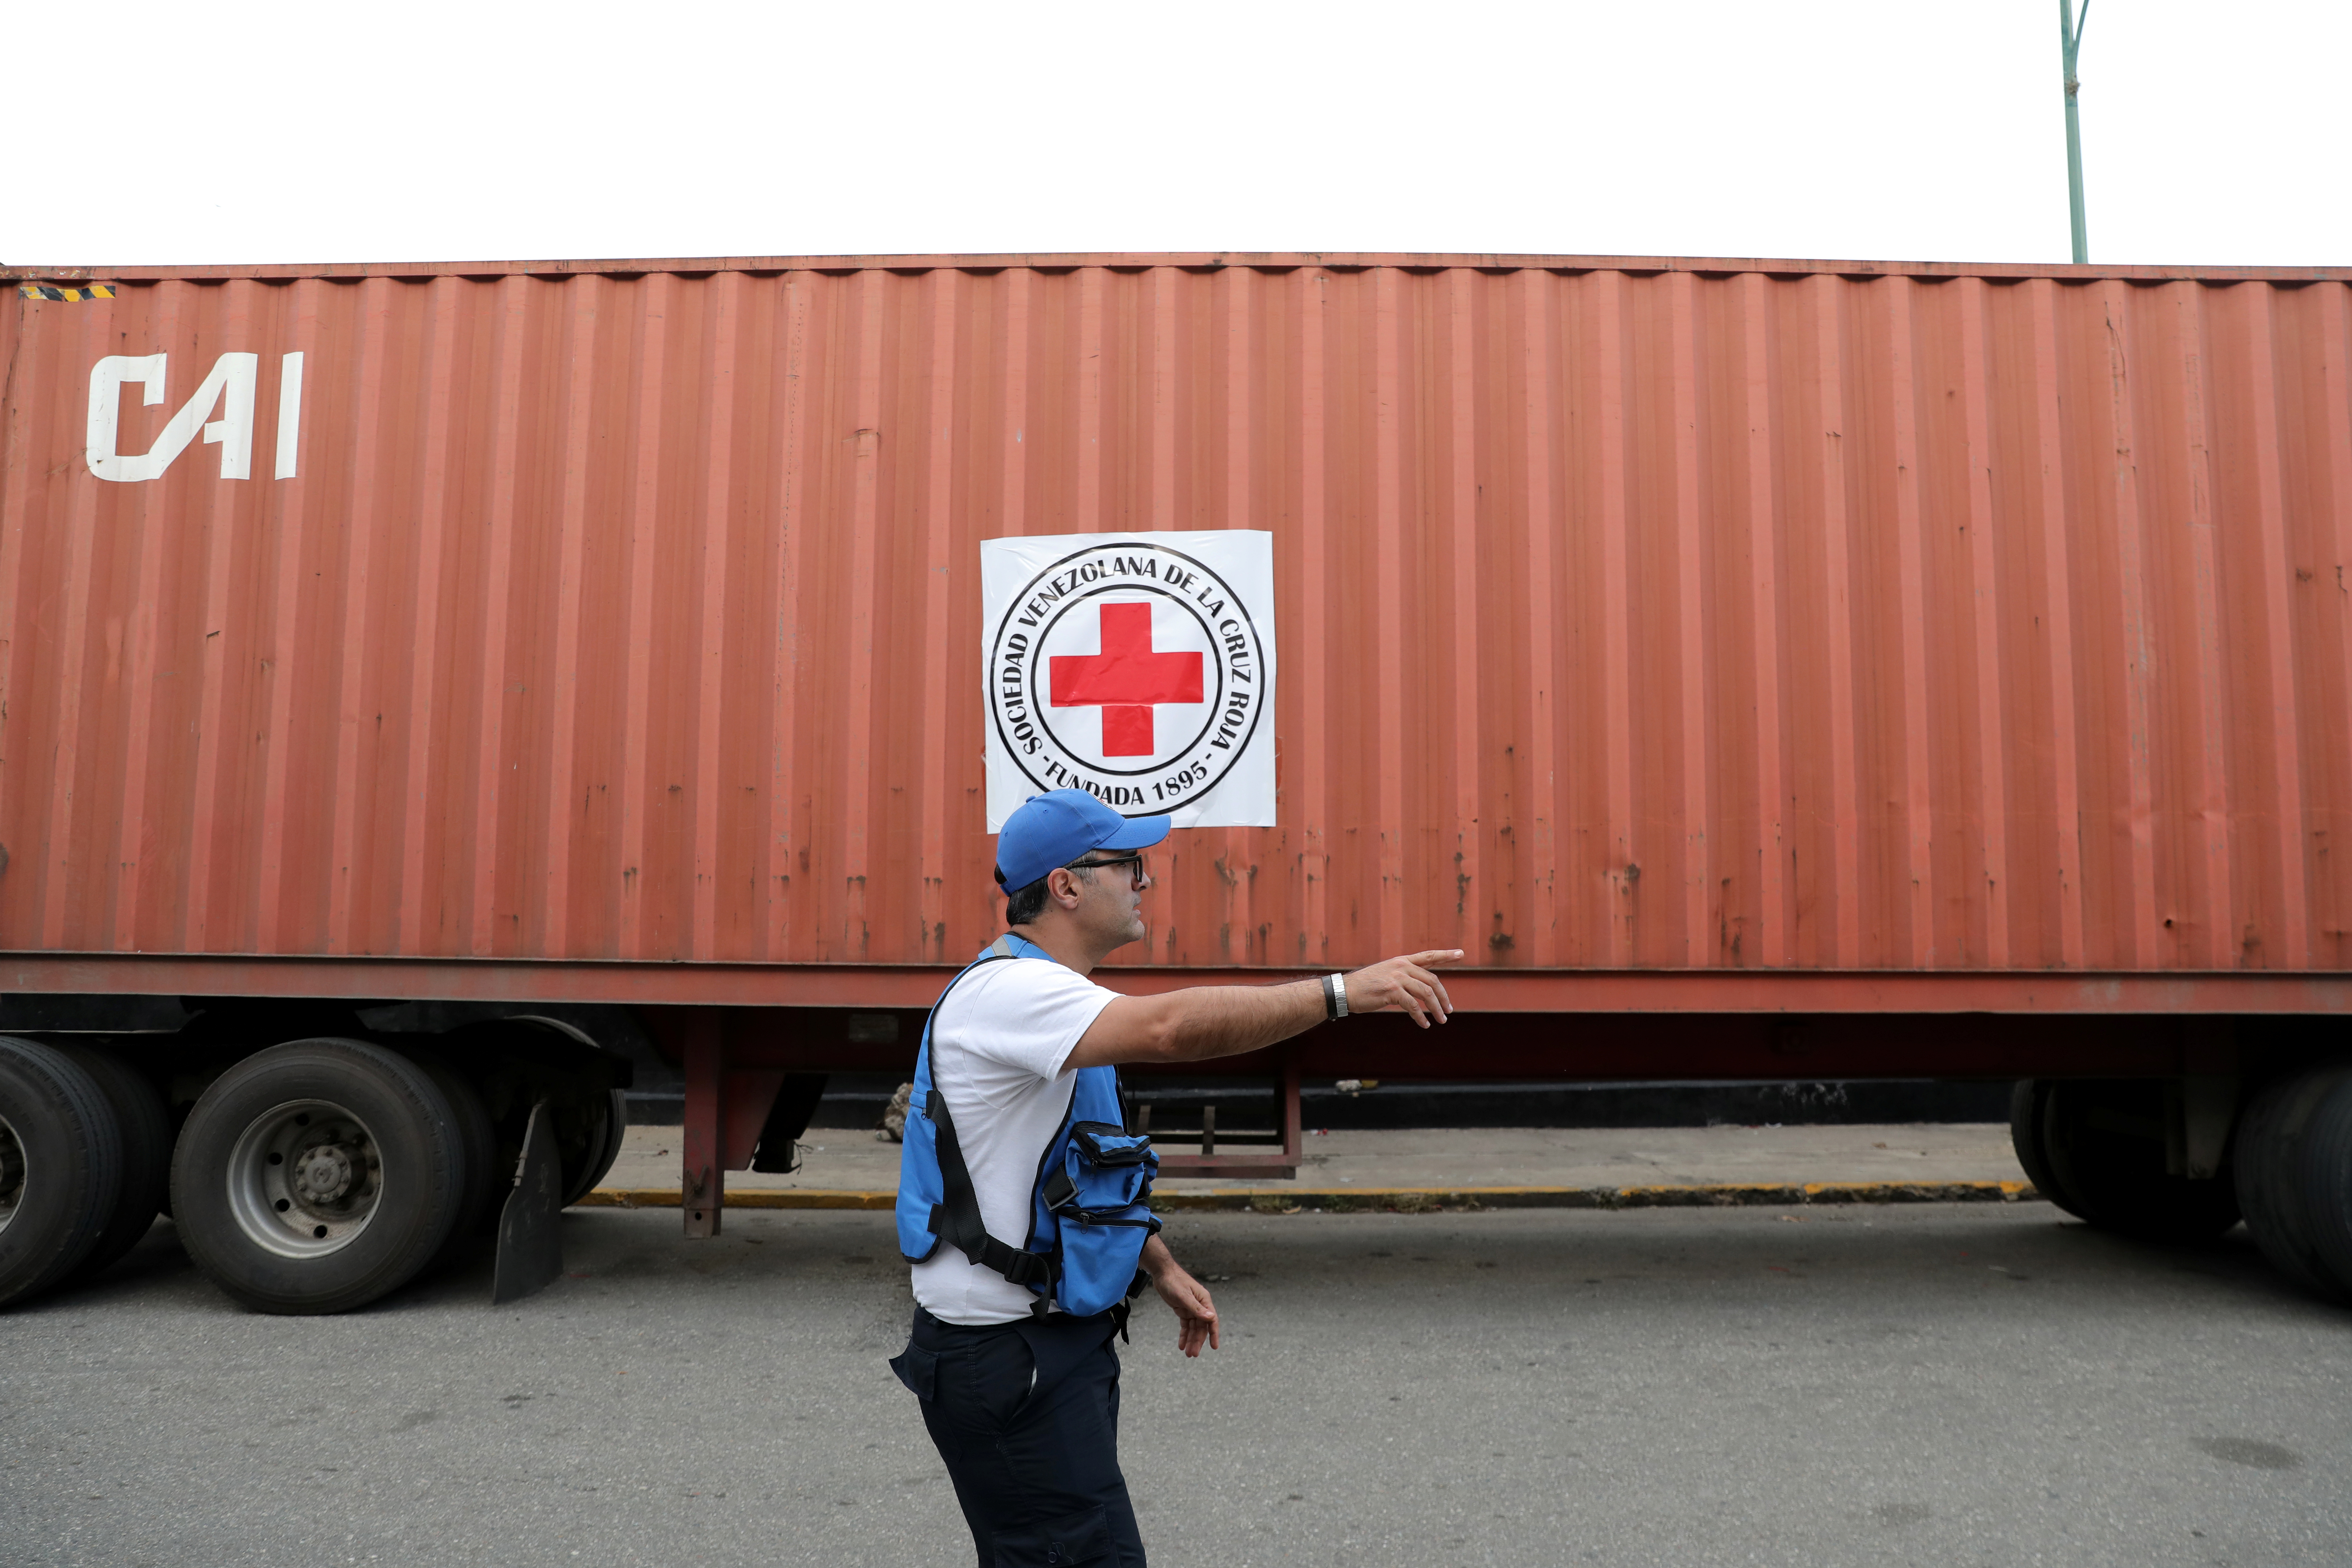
point(64, 295)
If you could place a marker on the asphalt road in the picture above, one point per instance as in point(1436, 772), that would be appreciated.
point(1976, 1384)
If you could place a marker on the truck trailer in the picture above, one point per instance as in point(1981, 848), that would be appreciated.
point(413, 678)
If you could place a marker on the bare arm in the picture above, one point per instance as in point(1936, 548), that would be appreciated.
point(1227, 1020)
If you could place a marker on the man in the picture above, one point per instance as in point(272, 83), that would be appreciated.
point(1023, 1401)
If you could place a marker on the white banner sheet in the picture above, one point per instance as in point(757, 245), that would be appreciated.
point(1139, 667)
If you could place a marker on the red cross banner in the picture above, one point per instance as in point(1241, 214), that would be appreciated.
point(1139, 667)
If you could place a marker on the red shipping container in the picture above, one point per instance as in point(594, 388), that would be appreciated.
point(1686, 634)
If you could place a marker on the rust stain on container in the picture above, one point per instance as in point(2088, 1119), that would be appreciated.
point(1656, 614)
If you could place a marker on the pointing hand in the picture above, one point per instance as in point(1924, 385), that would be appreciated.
point(1406, 983)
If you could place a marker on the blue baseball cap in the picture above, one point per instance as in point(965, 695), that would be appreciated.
point(1058, 826)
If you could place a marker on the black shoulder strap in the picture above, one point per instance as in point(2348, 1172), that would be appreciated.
point(956, 1220)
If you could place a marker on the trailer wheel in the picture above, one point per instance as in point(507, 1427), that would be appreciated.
point(2285, 1143)
point(145, 1122)
point(2104, 1142)
point(607, 1127)
point(61, 1166)
point(2329, 1181)
point(318, 1175)
point(477, 1205)
point(2029, 1112)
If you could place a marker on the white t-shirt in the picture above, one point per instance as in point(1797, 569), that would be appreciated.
point(997, 1050)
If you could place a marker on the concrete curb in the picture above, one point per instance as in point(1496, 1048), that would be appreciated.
point(756, 1198)
point(1419, 1200)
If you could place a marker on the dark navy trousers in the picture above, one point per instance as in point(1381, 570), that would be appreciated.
point(1027, 1417)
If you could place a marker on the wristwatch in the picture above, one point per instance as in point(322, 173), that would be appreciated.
point(1335, 996)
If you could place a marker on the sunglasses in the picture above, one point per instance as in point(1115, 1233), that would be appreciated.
point(1133, 862)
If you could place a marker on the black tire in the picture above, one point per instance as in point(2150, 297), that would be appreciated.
point(318, 1175)
point(605, 1133)
point(2029, 1107)
point(2327, 1182)
point(2104, 1142)
point(2276, 1158)
point(61, 1166)
point(146, 1125)
point(477, 1203)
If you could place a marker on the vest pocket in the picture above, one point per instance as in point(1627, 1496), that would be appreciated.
point(1077, 1538)
point(1102, 1144)
point(1106, 1175)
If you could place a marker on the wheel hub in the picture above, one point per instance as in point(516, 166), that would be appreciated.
point(322, 1175)
point(305, 1178)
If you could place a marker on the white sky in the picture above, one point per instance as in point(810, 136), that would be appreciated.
point(243, 132)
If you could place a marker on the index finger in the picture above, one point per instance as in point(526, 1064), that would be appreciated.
point(1436, 955)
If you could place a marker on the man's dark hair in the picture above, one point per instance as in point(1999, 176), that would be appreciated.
point(1026, 904)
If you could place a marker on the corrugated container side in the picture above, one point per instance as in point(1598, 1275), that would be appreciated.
point(1628, 619)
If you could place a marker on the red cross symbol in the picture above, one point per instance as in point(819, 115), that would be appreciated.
point(1125, 679)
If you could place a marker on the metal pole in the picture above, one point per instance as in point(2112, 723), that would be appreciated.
point(2070, 40)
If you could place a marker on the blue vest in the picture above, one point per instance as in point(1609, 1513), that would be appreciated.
point(1087, 1215)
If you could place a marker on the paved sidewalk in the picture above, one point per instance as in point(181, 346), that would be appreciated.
point(1909, 1157)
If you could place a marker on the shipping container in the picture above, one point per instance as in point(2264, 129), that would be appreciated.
point(1760, 668)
